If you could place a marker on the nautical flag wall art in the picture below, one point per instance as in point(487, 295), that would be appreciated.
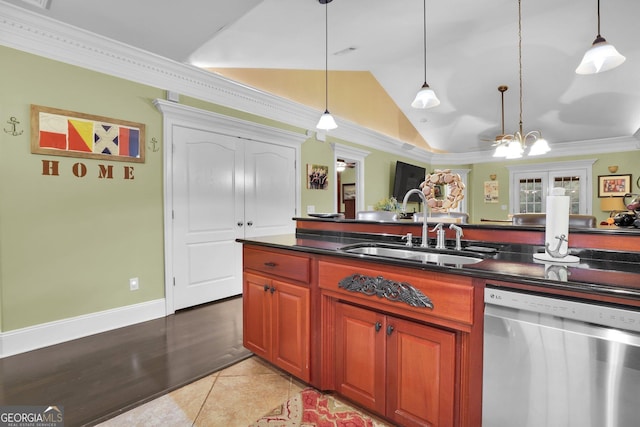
point(67, 133)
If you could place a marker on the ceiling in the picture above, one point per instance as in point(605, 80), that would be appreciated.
point(472, 48)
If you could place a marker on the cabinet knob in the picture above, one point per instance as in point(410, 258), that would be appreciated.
point(250, 223)
point(389, 330)
point(378, 326)
point(266, 288)
point(273, 289)
point(240, 223)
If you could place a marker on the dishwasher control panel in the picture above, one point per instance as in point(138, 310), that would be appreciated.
point(620, 318)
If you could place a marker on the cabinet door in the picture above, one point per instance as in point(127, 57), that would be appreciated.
point(290, 328)
point(256, 314)
point(421, 374)
point(360, 356)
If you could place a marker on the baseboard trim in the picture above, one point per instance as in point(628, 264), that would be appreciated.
point(46, 334)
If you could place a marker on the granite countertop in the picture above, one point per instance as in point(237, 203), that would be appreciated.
point(610, 273)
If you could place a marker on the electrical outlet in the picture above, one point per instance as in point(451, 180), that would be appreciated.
point(134, 284)
point(311, 209)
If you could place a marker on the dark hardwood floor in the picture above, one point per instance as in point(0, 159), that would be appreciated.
point(100, 376)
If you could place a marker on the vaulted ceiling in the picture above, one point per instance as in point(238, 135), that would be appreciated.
point(472, 48)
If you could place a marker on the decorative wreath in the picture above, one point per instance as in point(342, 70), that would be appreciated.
point(435, 182)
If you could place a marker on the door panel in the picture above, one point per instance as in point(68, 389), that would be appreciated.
point(270, 189)
point(291, 328)
point(360, 356)
point(207, 197)
point(421, 372)
point(256, 315)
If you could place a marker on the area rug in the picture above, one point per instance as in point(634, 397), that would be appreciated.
point(310, 408)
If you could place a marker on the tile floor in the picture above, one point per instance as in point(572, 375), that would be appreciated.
point(233, 397)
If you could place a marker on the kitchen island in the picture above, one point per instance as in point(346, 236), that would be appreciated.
point(399, 337)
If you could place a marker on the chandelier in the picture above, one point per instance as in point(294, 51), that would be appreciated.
point(513, 146)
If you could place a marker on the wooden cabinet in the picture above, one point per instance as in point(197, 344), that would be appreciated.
point(398, 368)
point(404, 343)
point(276, 310)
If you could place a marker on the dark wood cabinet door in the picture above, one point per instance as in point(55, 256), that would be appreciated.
point(420, 374)
point(360, 356)
point(256, 326)
point(290, 328)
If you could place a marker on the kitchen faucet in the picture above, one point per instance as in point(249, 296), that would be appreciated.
point(425, 226)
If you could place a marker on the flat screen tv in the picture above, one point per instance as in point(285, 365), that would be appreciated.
point(407, 177)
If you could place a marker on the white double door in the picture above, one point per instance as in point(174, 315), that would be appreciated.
point(224, 188)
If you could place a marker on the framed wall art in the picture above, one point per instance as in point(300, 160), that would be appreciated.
point(317, 177)
point(348, 191)
point(614, 185)
point(67, 133)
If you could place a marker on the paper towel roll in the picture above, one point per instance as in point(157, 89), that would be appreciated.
point(557, 222)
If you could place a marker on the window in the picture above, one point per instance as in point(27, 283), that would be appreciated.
point(530, 184)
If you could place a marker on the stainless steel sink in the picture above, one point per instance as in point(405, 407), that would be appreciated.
point(410, 254)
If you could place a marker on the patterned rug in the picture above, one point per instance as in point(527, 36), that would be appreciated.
point(310, 408)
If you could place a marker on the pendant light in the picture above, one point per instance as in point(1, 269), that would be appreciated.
point(601, 57)
point(326, 121)
point(426, 97)
point(514, 146)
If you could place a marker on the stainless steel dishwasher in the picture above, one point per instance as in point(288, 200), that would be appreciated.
point(551, 362)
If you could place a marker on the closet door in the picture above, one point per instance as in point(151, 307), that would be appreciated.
point(208, 206)
point(270, 189)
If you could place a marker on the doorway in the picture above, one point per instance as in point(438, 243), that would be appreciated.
point(352, 177)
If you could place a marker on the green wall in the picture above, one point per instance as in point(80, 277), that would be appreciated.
point(69, 245)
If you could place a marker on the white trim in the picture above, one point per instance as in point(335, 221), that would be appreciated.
point(46, 334)
point(544, 169)
point(357, 155)
point(182, 115)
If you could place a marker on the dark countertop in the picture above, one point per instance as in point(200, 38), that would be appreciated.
point(599, 272)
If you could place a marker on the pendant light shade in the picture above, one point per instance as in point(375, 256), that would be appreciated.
point(601, 57)
point(426, 97)
point(326, 121)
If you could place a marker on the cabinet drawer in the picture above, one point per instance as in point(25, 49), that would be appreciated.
point(451, 295)
point(277, 263)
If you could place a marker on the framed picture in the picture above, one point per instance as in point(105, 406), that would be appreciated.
point(348, 191)
point(614, 185)
point(317, 177)
point(68, 133)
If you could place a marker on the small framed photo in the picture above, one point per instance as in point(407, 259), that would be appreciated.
point(614, 185)
point(348, 192)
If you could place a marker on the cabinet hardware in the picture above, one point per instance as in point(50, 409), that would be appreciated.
point(250, 223)
point(240, 223)
point(273, 289)
point(385, 288)
point(389, 330)
point(266, 288)
point(270, 264)
point(378, 326)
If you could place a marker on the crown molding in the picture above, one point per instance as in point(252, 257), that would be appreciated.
point(40, 35)
point(586, 147)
